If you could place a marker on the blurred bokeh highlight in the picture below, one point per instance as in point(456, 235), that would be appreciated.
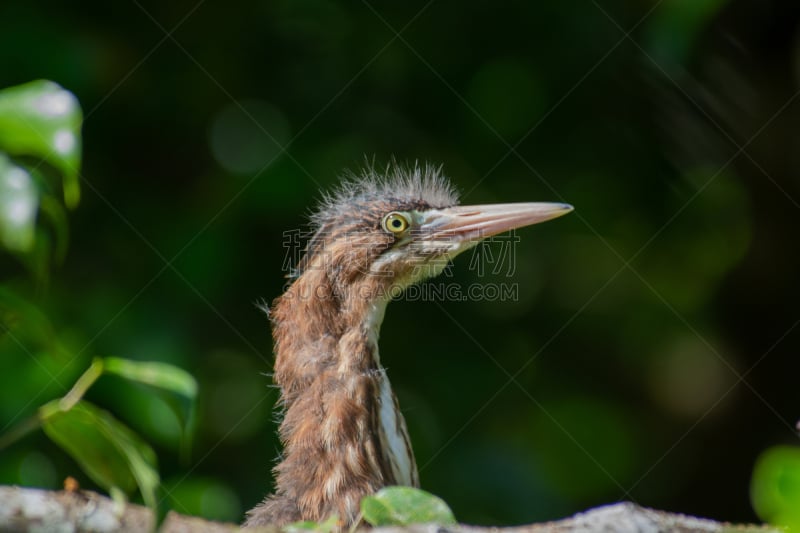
point(652, 353)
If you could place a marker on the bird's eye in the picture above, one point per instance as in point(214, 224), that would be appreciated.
point(395, 223)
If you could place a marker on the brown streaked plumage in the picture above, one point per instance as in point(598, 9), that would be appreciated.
point(343, 434)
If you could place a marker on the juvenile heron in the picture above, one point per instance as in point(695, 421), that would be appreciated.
point(343, 434)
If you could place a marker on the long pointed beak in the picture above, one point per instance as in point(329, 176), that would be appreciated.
point(471, 223)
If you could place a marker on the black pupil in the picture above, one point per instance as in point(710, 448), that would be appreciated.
point(396, 223)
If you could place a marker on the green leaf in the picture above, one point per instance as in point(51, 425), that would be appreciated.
point(43, 120)
point(19, 202)
point(153, 373)
point(110, 453)
point(164, 377)
point(400, 506)
point(775, 488)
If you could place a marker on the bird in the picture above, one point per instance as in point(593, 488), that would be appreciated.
point(342, 431)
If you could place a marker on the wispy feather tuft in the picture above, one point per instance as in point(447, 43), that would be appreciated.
point(395, 183)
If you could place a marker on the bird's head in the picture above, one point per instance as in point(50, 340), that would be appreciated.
point(381, 232)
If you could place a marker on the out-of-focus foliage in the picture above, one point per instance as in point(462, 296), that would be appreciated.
point(650, 341)
point(41, 120)
point(18, 199)
point(39, 123)
point(776, 486)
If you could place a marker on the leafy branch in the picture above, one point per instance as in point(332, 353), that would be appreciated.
point(110, 453)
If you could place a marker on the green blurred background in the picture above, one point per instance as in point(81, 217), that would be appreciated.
point(637, 315)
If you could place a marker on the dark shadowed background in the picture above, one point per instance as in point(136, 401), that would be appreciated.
point(651, 354)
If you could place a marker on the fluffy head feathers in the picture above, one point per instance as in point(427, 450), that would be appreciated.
point(396, 185)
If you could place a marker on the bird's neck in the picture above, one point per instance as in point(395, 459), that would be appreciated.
point(342, 433)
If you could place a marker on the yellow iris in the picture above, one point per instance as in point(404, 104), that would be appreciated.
point(395, 223)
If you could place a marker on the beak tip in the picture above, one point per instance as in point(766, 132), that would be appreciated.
point(564, 209)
